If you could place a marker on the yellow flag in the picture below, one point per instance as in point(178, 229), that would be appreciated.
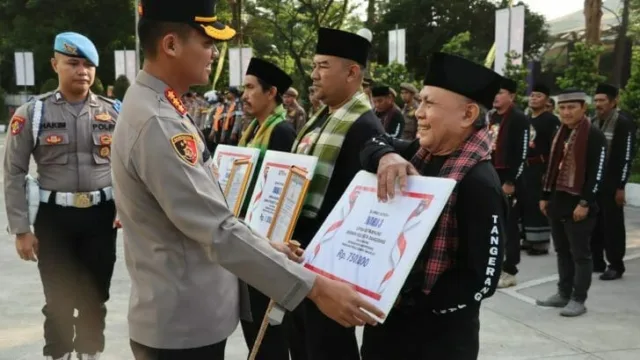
point(223, 55)
point(491, 56)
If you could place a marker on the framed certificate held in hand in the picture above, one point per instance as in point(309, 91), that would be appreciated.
point(237, 183)
point(289, 205)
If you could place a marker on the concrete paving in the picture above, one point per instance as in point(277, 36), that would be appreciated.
point(513, 328)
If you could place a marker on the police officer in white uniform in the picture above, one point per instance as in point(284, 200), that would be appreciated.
point(69, 134)
point(184, 248)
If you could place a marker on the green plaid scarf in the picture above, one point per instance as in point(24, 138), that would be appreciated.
point(327, 147)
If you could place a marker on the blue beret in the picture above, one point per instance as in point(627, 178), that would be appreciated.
point(76, 45)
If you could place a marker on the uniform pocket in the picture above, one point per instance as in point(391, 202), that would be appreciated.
point(53, 148)
point(101, 147)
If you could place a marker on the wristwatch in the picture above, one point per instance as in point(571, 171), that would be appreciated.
point(583, 203)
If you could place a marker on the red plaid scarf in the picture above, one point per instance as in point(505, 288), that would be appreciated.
point(444, 246)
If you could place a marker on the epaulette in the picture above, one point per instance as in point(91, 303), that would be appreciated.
point(117, 105)
point(42, 96)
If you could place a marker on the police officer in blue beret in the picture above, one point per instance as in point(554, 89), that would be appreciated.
point(65, 218)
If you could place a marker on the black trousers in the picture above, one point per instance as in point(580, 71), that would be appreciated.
point(275, 343)
point(296, 333)
point(77, 253)
point(326, 339)
point(420, 334)
point(512, 246)
point(571, 241)
point(610, 235)
point(210, 352)
point(535, 224)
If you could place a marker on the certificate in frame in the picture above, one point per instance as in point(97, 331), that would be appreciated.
point(289, 205)
point(237, 184)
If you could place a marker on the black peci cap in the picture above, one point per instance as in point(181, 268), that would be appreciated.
point(343, 44)
point(607, 89)
point(380, 90)
point(541, 88)
point(270, 73)
point(199, 13)
point(509, 85)
point(463, 77)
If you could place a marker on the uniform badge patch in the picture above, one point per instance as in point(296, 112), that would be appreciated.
point(53, 139)
point(174, 100)
point(105, 151)
point(17, 124)
point(105, 140)
point(70, 49)
point(103, 117)
point(186, 146)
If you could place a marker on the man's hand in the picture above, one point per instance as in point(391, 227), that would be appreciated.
point(508, 188)
point(27, 246)
point(620, 198)
point(117, 224)
point(294, 255)
point(342, 303)
point(543, 207)
point(392, 168)
point(580, 213)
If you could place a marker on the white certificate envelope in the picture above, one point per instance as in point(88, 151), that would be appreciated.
point(271, 178)
point(224, 157)
point(373, 245)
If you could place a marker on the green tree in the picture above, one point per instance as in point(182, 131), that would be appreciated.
point(459, 45)
point(120, 87)
point(430, 24)
point(392, 75)
point(630, 102)
point(49, 85)
point(582, 71)
point(517, 73)
point(97, 87)
point(289, 30)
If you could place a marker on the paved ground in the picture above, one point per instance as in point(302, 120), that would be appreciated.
point(512, 327)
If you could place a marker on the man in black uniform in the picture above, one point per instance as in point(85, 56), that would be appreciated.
point(537, 232)
point(387, 110)
point(336, 134)
point(437, 313)
point(610, 233)
point(69, 134)
point(572, 182)
point(509, 129)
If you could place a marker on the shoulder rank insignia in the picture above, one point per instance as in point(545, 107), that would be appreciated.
point(186, 147)
point(16, 125)
point(103, 117)
point(174, 100)
point(117, 105)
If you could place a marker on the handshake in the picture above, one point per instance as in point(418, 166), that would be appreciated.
point(335, 299)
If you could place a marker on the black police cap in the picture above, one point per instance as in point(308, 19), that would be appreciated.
point(201, 14)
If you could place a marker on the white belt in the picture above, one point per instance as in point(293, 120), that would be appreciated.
point(78, 200)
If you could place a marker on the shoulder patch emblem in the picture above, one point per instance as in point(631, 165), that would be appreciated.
point(174, 100)
point(186, 146)
point(53, 139)
point(103, 117)
point(105, 151)
point(16, 125)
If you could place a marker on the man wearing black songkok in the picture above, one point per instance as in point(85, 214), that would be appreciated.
point(620, 131)
point(437, 313)
point(537, 232)
point(509, 128)
point(389, 113)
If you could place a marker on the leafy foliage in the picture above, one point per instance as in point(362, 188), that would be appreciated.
point(120, 87)
point(97, 87)
point(430, 24)
point(582, 71)
point(459, 45)
point(49, 85)
point(630, 101)
point(392, 75)
point(517, 73)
